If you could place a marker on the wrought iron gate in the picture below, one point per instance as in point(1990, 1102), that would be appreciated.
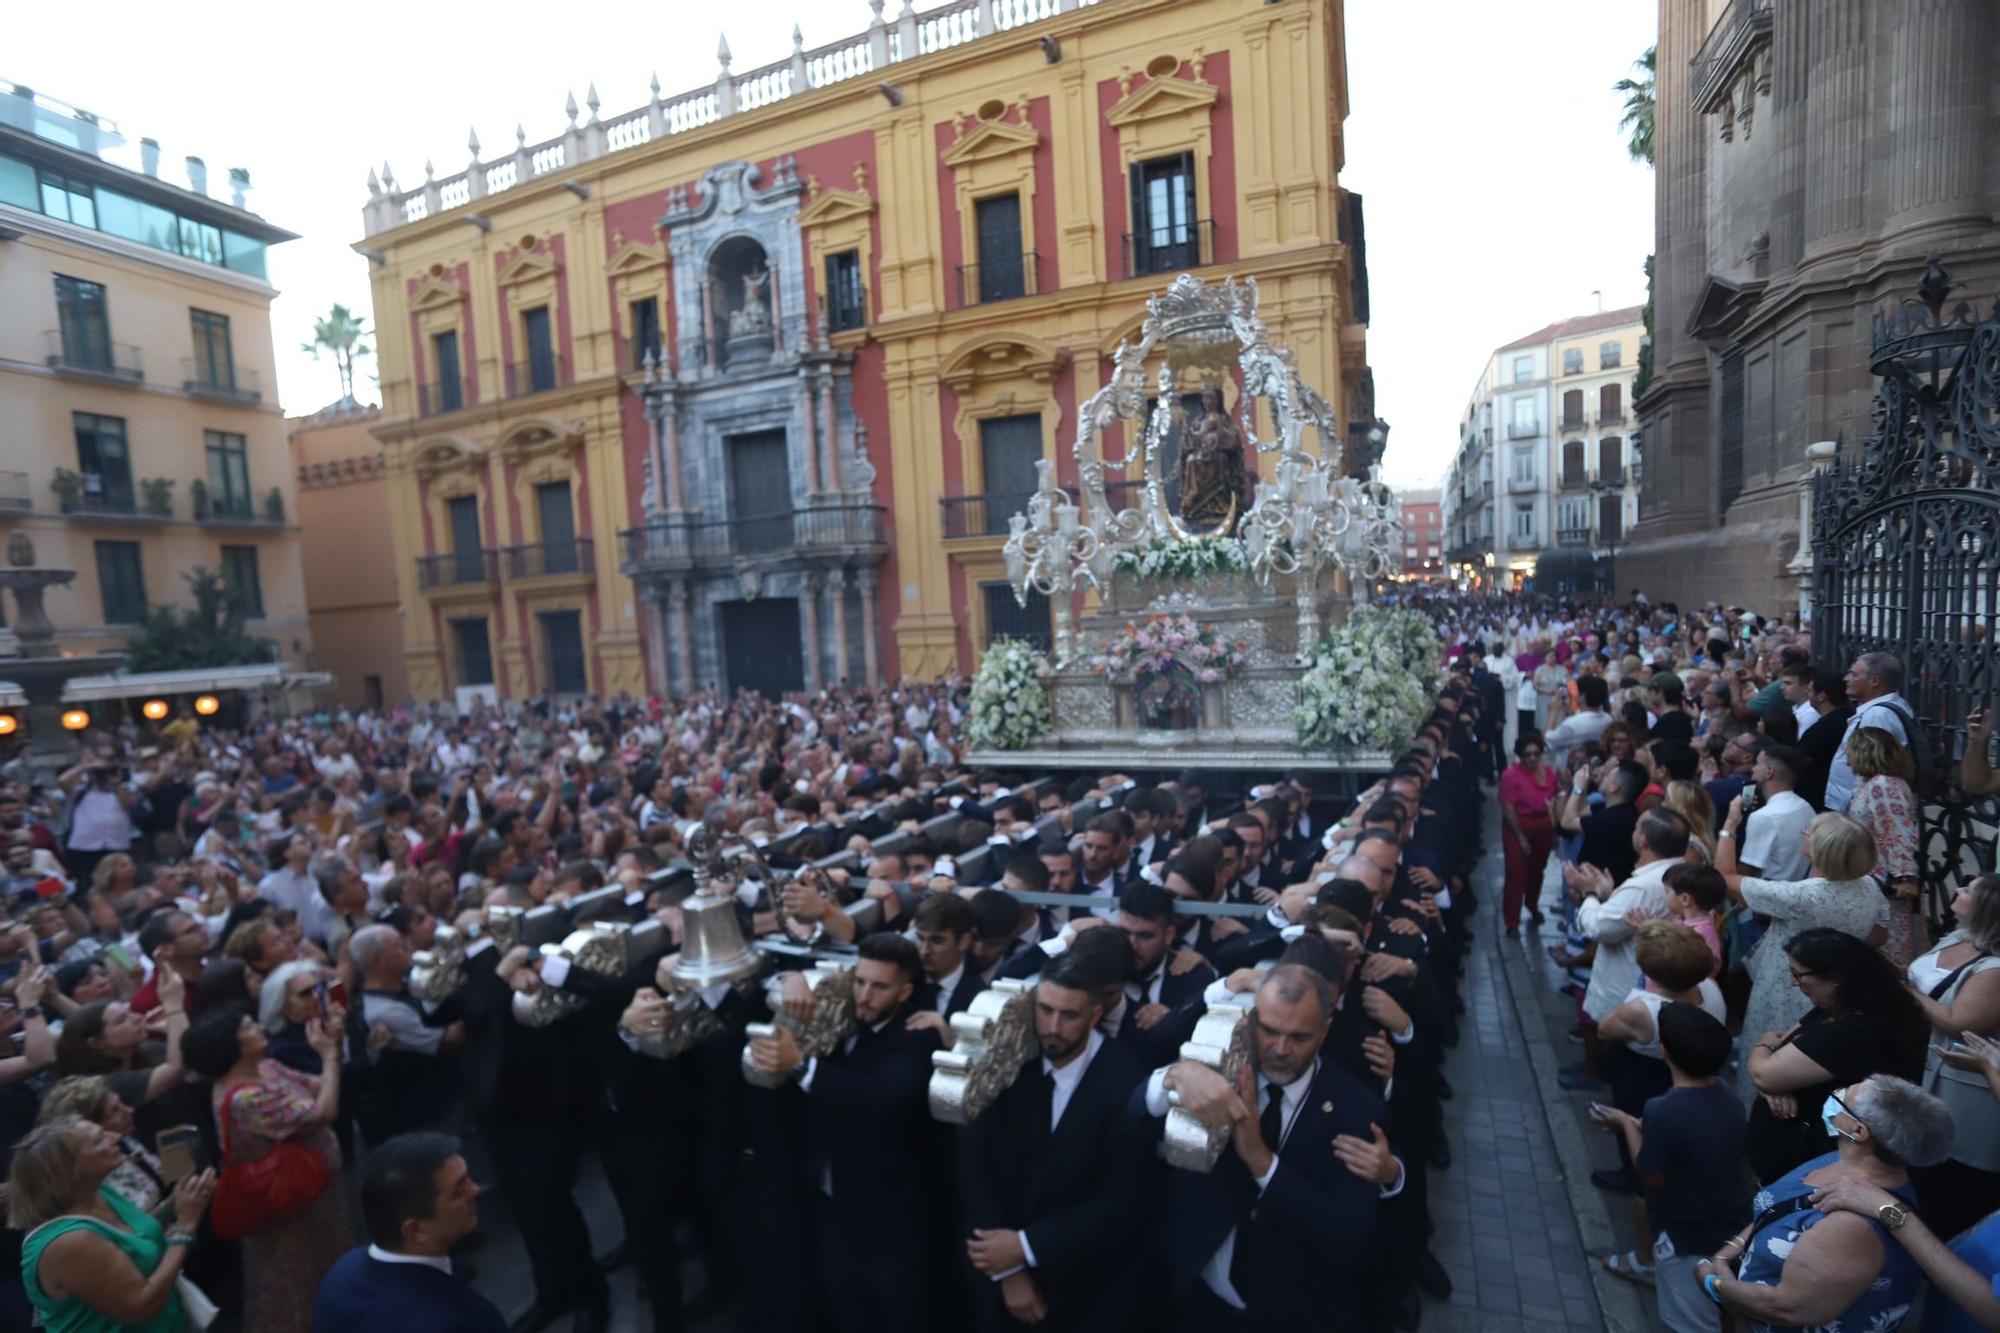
point(1906, 550)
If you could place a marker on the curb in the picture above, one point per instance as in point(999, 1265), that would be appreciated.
point(1619, 1302)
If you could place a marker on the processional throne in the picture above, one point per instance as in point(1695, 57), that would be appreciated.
point(1263, 564)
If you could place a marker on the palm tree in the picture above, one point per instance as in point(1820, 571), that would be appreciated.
point(1639, 107)
point(340, 333)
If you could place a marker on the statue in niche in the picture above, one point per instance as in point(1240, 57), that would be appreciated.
point(1167, 702)
point(754, 315)
point(1214, 486)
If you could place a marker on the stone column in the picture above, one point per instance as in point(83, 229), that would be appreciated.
point(708, 325)
point(1680, 208)
point(829, 426)
point(1819, 458)
point(683, 632)
point(659, 672)
point(1937, 98)
point(836, 586)
point(664, 407)
point(809, 624)
point(777, 323)
point(813, 485)
point(1836, 124)
point(870, 665)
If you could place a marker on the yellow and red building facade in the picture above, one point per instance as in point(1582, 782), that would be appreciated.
point(740, 389)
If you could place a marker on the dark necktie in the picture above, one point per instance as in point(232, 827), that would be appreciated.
point(1272, 1125)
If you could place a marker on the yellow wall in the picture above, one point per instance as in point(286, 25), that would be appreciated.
point(1258, 91)
point(148, 296)
point(349, 556)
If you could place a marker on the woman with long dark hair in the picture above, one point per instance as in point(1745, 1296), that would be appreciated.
point(1863, 1021)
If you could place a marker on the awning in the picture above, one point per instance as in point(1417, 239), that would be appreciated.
point(147, 684)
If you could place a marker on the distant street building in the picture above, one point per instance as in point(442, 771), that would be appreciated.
point(1810, 154)
point(349, 555)
point(137, 384)
point(1545, 481)
point(1423, 534)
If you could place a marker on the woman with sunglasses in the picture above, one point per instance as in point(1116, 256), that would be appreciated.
point(1863, 1021)
point(1801, 1265)
point(1526, 789)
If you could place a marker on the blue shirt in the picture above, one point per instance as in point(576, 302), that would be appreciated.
point(1879, 1309)
point(1979, 1246)
point(1694, 1137)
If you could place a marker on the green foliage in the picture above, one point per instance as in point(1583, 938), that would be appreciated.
point(207, 634)
point(340, 334)
point(1644, 376)
point(159, 493)
point(1639, 107)
point(68, 486)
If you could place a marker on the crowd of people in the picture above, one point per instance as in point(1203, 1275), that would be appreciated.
point(1785, 1024)
point(226, 1096)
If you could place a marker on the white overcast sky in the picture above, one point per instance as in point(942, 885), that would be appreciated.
point(1484, 135)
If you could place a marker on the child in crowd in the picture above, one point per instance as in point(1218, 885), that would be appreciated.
point(1696, 896)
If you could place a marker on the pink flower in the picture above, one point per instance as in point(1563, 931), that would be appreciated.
point(1210, 676)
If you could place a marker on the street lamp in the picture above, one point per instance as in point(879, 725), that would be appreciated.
point(1606, 549)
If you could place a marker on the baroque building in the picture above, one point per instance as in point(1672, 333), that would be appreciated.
point(349, 555)
point(740, 389)
point(1810, 154)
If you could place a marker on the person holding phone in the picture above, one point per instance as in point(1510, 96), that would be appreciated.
point(142, 1179)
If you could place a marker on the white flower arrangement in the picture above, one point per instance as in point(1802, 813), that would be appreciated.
point(1186, 559)
point(1369, 683)
point(1009, 706)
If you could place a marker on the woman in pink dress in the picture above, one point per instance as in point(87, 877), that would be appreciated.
point(1526, 789)
point(258, 1105)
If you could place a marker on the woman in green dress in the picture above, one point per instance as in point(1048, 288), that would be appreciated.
point(93, 1262)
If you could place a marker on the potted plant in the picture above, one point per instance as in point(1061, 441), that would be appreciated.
point(68, 486)
point(198, 496)
point(159, 493)
point(274, 505)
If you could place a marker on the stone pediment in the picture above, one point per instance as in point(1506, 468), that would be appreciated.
point(1001, 356)
point(436, 458)
point(1161, 98)
point(993, 138)
point(435, 292)
point(526, 267)
point(633, 258)
point(1722, 306)
point(831, 206)
point(537, 438)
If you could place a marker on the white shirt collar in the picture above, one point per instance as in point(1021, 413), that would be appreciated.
point(1071, 1074)
point(948, 985)
point(438, 1261)
point(1293, 1092)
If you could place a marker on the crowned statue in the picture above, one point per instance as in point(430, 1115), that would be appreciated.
point(1215, 488)
point(754, 315)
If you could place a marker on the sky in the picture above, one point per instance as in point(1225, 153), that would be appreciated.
point(1484, 136)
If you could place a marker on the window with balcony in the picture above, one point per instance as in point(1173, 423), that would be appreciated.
point(1609, 355)
point(760, 491)
point(447, 391)
point(1524, 524)
point(229, 475)
point(84, 323)
point(1009, 449)
point(240, 579)
point(1008, 618)
point(846, 306)
point(104, 461)
point(121, 582)
point(70, 199)
point(1573, 471)
point(558, 524)
point(1573, 361)
point(1524, 369)
point(467, 546)
point(1524, 465)
point(1165, 231)
point(214, 366)
point(1573, 408)
point(1610, 518)
point(475, 651)
point(539, 334)
point(644, 325)
point(1522, 422)
point(1610, 404)
point(1003, 272)
point(1611, 460)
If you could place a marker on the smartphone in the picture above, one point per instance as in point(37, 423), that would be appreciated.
point(1599, 1110)
point(335, 991)
point(321, 991)
point(178, 1145)
point(119, 957)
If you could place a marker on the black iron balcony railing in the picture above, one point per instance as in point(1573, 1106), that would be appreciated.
point(1170, 249)
point(632, 354)
point(115, 504)
point(827, 529)
point(458, 569)
point(1615, 417)
point(1575, 479)
point(999, 278)
point(1611, 476)
point(846, 308)
point(967, 516)
point(1575, 423)
point(1523, 430)
point(444, 396)
point(209, 379)
point(1572, 536)
point(538, 374)
point(575, 556)
point(82, 352)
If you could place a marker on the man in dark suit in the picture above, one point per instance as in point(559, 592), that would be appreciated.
point(1107, 844)
point(865, 1120)
point(1162, 1005)
point(944, 926)
point(1823, 739)
point(1055, 1172)
point(1272, 1237)
point(417, 1202)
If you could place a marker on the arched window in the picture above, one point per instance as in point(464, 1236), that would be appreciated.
point(1611, 459)
point(1573, 408)
point(1610, 404)
point(1573, 464)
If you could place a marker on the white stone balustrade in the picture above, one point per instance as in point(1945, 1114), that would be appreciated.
point(886, 42)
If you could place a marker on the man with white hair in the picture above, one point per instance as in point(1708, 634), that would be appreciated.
point(412, 1087)
point(1874, 686)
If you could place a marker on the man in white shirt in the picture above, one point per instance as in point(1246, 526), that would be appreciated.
point(1796, 683)
point(1586, 724)
point(1873, 683)
point(1661, 840)
point(291, 886)
point(1774, 834)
